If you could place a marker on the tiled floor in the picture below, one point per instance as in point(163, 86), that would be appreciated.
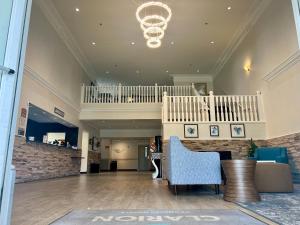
point(39, 203)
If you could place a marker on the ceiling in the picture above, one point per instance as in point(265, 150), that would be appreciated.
point(41, 116)
point(112, 25)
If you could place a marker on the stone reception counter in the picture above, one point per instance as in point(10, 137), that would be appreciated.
point(36, 161)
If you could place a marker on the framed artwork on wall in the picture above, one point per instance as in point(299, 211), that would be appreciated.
point(214, 130)
point(237, 130)
point(191, 131)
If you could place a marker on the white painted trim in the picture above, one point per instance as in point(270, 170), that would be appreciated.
point(122, 107)
point(36, 77)
point(296, 10)
point(284, 66)
point(55, 19)
point(216, 122)
point(257, 9)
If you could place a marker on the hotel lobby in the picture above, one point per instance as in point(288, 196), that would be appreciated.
point(149, 112)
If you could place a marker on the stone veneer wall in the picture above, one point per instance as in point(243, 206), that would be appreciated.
point(93, 157)
point(292, 142)
point(238, 148)
point(36, 161)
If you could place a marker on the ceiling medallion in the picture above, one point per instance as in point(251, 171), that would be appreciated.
point(153, 18)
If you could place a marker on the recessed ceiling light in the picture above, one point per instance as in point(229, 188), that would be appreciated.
point(77, 9)
point(94, 43)
point(167, 71)
point(172, 43)
point(212, 42)
point(229, 8)
point(133, 43)
point(107, 72)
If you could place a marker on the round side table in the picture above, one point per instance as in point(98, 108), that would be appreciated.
point(240, 181)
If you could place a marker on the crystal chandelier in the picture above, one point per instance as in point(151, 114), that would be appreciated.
point(153, 22)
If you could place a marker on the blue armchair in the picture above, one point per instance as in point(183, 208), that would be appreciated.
point(278, 154)
point(186, 167)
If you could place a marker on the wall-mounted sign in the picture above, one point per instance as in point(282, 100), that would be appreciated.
point(59, 112)
point(21, 132)
point(24, 112)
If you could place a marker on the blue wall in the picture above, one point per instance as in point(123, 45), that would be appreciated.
point(37, 130)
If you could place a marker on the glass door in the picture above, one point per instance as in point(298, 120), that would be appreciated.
point(14, 23)
point(5, 13)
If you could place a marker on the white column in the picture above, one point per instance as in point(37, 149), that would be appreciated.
point(193, 91)
point(120, 93)
point(165, 108)
point(212, 106)
point(82, 93)
point(156, 93)
point(260, 106)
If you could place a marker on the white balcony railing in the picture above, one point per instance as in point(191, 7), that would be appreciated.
point(131, 94)
point(213, 108)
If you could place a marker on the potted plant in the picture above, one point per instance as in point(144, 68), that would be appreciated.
point(252, 148)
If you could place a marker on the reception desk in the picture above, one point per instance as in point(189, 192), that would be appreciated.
point(36, 161)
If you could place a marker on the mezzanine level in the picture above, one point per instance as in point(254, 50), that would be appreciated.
point(127, 102)
point(171, 104)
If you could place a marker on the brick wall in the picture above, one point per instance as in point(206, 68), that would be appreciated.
point(292, 142)
point(36, 161)
point(239, 148)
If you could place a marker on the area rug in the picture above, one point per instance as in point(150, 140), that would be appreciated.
point(157, 217)
point(281, 208)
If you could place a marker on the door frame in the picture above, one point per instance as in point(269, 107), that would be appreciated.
point(84, 151)
point(10, 91)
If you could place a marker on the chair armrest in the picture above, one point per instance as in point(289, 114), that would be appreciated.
point(282, 159)
point(252, 158)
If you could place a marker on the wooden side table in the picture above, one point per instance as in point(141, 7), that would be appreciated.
point(240, 186)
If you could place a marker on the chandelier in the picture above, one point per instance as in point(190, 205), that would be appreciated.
point(153, 18)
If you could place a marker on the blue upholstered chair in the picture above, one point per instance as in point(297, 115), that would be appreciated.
point(186, 167)
point(278, 154)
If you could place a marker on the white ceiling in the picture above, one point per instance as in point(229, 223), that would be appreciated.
point(113, 52)
point(41, 116)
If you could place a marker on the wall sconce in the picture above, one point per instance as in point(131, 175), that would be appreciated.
point(247, 68)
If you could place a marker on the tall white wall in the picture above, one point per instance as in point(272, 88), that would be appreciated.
point(127, 133)
point(52, 76)
point(269, 43)
point(124, 150)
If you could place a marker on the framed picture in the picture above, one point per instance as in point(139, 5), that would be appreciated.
point(237, 130)
point(214, 130)
point(191, 131)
